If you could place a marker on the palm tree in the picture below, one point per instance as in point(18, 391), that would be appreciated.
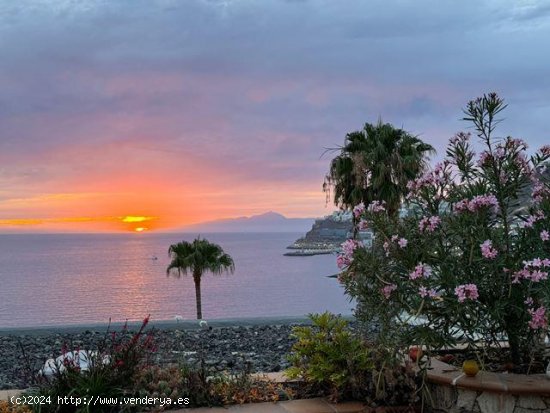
point(375, 164)
point(198, 257)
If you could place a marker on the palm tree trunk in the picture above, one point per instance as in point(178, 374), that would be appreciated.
point(197, 279)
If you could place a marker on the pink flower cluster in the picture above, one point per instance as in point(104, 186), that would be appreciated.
point(476, 203)
point(466, 292)
point(402, 242)
point(387, 290)
point(521, 162)
point(531, 219)
point(358, 210)
point(544, 235)
point(540, 191)
point(515, 143)
point(438, 177)
point(363, 225)
point(421, 270)
point(484, 158)
point(545, 150)
point(429, 224)
point(460, 138)
point(377, 206)
point(538, 318)
point(532, 270)
point(487, 249)
point(425, 292)
point(346, 257)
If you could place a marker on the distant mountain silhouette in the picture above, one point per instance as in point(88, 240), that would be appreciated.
point(267, 222)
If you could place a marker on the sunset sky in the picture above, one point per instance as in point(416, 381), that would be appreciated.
point(118, 115)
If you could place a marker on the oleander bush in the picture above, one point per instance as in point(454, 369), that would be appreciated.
point(469, 261)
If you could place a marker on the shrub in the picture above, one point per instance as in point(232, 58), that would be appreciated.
point(329, 356)
point(470, 260)
point(110, 372)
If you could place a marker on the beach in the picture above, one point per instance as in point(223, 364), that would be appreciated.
point(260, 344)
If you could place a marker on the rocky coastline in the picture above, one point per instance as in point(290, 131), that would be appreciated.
point(262, 348)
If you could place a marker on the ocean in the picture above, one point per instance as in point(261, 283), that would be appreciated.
point(67, 279)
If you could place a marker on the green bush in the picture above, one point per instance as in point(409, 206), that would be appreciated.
point(330, 358)
point(334, 360)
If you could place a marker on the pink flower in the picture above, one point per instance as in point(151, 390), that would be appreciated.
point(481, 201)
point(484, 158)
point(429, 224)
point(346, 256)
point(538, 275)
point(342, 261)
point(516, 143)
point(424, 292)
point(388, 289)
point(466, 292)
point(499, 152)
point(460, 137)
point(545, 150)
point(358, 210)
point(476, 203)
point(487, 250)
point(532, 271)
point(377, 206)
point(539, 191)
point(538, 318)
point(421, 270)
point(544, 235)
point(430, 180)
point(402, 242)
point(363, 225)
point(531, 219)
point(350, 245)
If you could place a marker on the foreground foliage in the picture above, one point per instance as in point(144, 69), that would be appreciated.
point(122, 368)
point(470, 261)
point(108, 372)
point(336, 361)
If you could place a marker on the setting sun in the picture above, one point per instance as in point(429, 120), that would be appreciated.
point(130, 218)
point(140, 229)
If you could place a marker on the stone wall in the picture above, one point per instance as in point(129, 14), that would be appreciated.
point(447, 399)
point(451, 391)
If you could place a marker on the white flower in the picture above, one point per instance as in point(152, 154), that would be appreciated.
point(203, 323)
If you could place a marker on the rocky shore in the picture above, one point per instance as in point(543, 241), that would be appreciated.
point(262, 347)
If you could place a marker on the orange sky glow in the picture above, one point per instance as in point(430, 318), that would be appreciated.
point(115, 118)
point(150, 211)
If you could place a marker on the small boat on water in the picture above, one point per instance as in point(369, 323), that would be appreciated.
point(307, 252)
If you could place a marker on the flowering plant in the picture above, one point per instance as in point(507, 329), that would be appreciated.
point(470, 259)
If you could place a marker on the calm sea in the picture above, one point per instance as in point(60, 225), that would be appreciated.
point(76, 279)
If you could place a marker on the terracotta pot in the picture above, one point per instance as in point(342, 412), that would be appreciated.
point(470, 368)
